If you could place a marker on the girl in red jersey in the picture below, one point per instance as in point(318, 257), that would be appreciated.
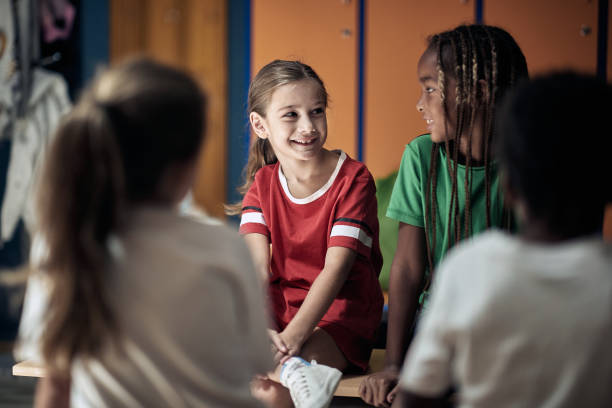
point(309, 217)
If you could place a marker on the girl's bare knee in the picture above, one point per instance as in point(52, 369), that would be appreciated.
point(322, 347)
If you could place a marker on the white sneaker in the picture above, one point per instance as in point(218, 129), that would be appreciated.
point(311, 385)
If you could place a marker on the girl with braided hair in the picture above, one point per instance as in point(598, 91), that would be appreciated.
point(447, 188)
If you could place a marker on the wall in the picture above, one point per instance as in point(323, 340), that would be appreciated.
point(189, 34)
point(552, 35)
point(365, 51)
point(321, 33)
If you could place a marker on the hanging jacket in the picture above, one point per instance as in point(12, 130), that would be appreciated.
point(30, 135)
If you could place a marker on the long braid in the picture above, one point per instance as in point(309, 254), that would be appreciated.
point(430, 194)
point(487, 109)
point(430, 211)
point(449, 162)
point(468, 167)
point(442, 87)
point(488, 120)
point(463, 95)
point(452, 167)
point(431, 198)
point(507, 214)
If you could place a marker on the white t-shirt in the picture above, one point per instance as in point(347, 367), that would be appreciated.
point(192, 315)
point(518, 324)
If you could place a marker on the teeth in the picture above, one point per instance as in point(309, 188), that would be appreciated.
point(429, 121)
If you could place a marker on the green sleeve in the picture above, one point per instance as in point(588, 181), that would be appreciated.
point(406, 204)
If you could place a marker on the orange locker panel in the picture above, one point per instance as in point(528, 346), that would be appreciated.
point(396, 36)
point(191, 35)
point(568, 39)
point(552, 34)
point(323, 34)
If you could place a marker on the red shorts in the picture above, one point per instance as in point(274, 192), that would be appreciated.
point(356, 349)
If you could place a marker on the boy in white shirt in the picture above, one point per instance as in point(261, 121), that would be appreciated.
point(526, 321)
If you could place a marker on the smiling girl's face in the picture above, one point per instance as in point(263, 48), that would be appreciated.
point(295, 122)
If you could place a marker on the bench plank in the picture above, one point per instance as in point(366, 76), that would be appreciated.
point(28, 369)
point(349, 384)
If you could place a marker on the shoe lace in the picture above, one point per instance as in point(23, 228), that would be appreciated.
point(298, 384)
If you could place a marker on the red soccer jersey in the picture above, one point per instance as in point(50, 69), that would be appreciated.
point(341, 213)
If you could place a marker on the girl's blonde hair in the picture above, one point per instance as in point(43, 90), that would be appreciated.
point(110, 152)
point(272, 76)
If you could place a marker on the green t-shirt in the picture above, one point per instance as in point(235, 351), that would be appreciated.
point(407, 202)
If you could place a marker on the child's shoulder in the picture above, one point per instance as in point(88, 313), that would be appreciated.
point(199, 241)
point(214, 246)
point(484, 248)
point(421, 144)
point(487, 241)
point(204, 234)
point(417, 155)
point(354, 168)
point(265, 174)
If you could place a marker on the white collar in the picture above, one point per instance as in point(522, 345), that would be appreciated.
point(319, 192)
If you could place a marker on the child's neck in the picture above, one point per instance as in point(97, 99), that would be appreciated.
point(477, 146)
point(476, 158)
point(306, 177)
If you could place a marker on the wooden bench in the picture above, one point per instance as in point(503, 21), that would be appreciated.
point(348, 387)
point(349, 384)
point(28, 369)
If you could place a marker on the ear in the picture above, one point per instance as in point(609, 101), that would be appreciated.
point(258, 123)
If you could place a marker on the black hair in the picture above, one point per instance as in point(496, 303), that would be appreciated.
point(554, 146)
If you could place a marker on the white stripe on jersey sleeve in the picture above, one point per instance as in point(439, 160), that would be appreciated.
point(352, 232)
point(253, 217)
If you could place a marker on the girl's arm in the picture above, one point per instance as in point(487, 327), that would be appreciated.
point(53, 391)
point(405, 283)
point(338, 264)
point(259, 247)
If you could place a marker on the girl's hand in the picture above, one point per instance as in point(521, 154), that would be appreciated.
point(279, 348)
point(293, 341)
point(379, 389)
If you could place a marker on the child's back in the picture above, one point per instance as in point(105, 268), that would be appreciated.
point(183, 295)
point(186, 296)
point(530, 323)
